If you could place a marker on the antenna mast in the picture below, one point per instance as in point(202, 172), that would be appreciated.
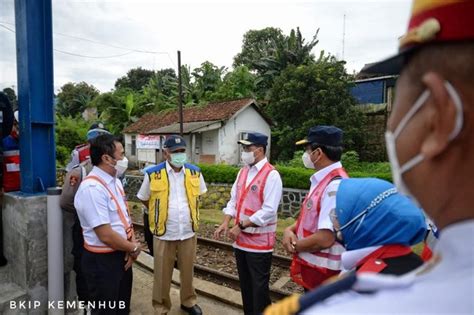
point(343, 35)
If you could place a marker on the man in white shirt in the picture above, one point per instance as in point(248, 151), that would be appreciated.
point(255, 197)
point(110, 246)
point(317, 254)
point(171, 191)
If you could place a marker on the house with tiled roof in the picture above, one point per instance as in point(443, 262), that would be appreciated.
point(211, 132)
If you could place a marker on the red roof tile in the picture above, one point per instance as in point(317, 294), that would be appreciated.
point(212, 111)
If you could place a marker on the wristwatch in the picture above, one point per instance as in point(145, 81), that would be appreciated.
point(241, 225)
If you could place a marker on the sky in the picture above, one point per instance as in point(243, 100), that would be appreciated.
point(99, 41)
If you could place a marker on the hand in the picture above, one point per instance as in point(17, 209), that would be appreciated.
point(224, 227)
point(234, 232)
point(289, 241)
point(129, 261)
point(134, 255)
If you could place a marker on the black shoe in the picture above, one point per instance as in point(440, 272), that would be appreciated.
point(193, 310)
point(3, 261)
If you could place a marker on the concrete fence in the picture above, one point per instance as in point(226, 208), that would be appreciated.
point(217, 196)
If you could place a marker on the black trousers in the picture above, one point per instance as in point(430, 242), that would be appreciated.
point(254, 276)
point(147, 232)
point(77, 252)
point(108, 282)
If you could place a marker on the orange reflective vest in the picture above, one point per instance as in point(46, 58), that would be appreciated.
point(127, 225)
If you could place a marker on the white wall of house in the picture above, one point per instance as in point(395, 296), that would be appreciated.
point(146, 156)
point(128, 148)
point(245, 121)
point(210, 142)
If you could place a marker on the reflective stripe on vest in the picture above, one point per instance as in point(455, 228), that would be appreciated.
point(159, 196)
point(83, 152)
point(250, 200)
point(307, 225)
point(11, 170)
point(126, 223)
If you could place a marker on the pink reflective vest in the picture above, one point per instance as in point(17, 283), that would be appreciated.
point(307, 225)
point(249, 201)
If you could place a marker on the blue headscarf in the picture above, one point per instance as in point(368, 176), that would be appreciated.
point(394, 219)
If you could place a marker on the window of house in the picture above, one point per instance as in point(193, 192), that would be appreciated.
point(133, 150)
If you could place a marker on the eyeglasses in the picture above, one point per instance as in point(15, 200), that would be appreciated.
point(377, 200)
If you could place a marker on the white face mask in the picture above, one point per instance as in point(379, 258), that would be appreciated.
point(391, 137)
point(247, 157)
point(307, 161)
point(121, 166)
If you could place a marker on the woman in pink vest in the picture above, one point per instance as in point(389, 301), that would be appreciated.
point(255, 197)
point(316, 253)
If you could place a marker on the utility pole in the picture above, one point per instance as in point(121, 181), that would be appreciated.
point(180, 95)
point(343, 34)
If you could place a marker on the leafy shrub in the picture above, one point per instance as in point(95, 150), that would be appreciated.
point(225, 174)
point(62, 155)
point(292, 177)
point(296, 161)
point(69, 133)
point(295, 177)
point(350, 160)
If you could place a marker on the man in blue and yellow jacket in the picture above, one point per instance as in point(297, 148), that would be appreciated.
point(170, 191)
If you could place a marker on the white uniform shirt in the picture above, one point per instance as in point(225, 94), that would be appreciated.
point(95, 207)
point(328, 199)
point(350, 258)
point(179, 224)
point(445, 287)
point(271, 199)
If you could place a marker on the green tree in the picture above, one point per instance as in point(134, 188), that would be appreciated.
point(308, 95)
point(113, 110)
point(187, 86)
point(162, 90)
point(69, 132)
point(207, 80)
point(268, 52)
point(236, 84)
point(73, 98)
point(135, 79)
point(258, 45)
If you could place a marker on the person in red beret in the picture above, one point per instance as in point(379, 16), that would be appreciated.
point(430, 144)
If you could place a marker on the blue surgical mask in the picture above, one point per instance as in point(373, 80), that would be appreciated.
point(178, 159)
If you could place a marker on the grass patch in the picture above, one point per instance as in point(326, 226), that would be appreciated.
point(214, 216)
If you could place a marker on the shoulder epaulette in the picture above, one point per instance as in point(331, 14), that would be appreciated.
point(192, 167)
point(156, 168)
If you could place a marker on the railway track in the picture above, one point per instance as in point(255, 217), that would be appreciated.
point(231, 280)
point(277, 260)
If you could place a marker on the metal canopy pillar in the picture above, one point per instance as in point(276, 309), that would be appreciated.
point(34, 51)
